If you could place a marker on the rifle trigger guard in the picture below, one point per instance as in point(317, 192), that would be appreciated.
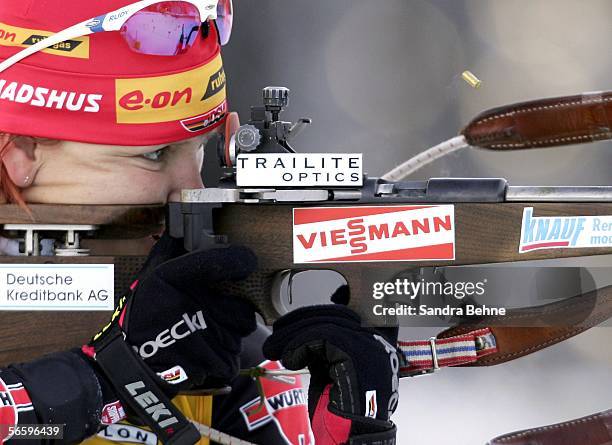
point(281, 282)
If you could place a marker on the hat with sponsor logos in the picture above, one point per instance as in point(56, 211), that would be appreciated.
point(95, 89)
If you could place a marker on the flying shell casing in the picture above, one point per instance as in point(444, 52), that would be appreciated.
point(471, 79)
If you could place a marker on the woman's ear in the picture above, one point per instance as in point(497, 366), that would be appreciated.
point(20, 162)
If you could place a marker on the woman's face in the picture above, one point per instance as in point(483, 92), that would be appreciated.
point(78, 173)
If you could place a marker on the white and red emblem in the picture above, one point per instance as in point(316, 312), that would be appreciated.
point(199, 123)
point(174, 375)
point(373, 233)
point(285, 405)
point(112, 413)
point(14, 399)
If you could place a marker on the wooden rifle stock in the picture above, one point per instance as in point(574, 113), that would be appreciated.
point(485, 233)
point(120, 240)
point(116, 221)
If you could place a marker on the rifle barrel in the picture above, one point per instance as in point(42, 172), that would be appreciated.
point(559, 194)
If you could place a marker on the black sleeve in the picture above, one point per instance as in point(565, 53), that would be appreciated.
point(59, 388)
point(62, 388)
point(284, 418)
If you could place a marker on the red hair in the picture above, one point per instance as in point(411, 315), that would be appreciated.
point(8, 189)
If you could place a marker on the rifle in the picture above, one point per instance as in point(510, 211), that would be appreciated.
point(487, 214)
point(493, 222)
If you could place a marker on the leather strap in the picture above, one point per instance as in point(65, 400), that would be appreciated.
point(595, 429)
point(493, 340)
point(543, 123)
point(523, 331)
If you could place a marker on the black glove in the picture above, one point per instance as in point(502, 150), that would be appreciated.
point(188, 334)
point(354, 372)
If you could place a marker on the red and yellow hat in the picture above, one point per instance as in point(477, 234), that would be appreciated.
point(95, 89)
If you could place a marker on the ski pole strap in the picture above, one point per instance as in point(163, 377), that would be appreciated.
point(425, 357)
point(137, 388)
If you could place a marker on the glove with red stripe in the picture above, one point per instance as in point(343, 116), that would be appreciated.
point(354, 373)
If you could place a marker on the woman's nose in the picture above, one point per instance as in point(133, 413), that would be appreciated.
point(185, 168)
point(191, 180)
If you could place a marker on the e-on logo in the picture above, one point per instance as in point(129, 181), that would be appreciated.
point(136, 100)
point(168, 98)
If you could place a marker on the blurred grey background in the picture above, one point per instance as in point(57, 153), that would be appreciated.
point(383, 77)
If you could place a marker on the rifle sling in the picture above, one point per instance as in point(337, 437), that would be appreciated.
point(543, 123)
point(493, 340)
